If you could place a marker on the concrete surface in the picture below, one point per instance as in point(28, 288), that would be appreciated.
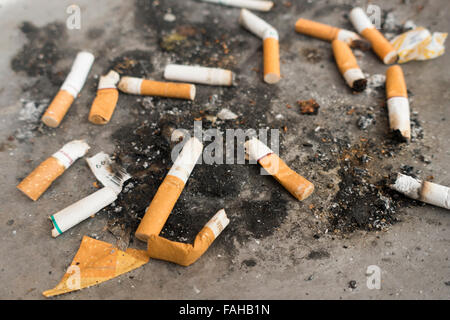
point(413, 254)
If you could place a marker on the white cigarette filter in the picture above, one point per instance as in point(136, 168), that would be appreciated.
point(382, 47)
point(106, 100)
point(169, 191)
point(197, 74)
point(148, 87)
point(248, 4)
point(69, 90)
point(424, 191)
point(397, 101)
point(297, 185)
point(100, 164)
point(348, 66)
point(271, 48)
point(35, 184)
point(186, 254)
point(327, 32)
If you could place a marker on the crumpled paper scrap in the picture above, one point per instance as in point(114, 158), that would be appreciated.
point(419, 44)
point(95, 262)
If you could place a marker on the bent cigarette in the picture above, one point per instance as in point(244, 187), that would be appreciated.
point(186, 254)
point(327, 32)
point(271, 48)
point(35, 184)
point(106, 100)
point(397, 101)
point(382, 47)
point(196, 74)
point(249, 4)
point(297, 185)
point(424, 191)
point(69, 90)
point(169, 191)
point(156, 88)
point(348, 66)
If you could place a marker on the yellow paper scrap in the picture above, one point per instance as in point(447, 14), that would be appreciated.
point(95, 262)
point(419, 44)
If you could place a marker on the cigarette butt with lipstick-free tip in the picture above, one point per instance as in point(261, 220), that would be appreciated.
point(327, 32)
point(425, 191)
point(297, 185)
point(253, 23)
point(197, 74)
point(382, 47)
point(35, 184)
point(169, 191)
point(397, 102)
point(186, 254)
point(348, 66)
point(106, 100)
point(157, 88)
point(271, 52)
point(69, 90)
point(249, 4)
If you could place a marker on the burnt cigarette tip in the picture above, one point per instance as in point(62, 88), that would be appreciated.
point(359, 85)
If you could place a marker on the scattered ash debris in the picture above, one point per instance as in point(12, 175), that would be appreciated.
point(30, 118)
point(309, 107)
point(365, 121)
point(312, 55)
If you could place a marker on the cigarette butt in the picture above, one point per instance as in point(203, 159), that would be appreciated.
point(35, 184)
point(186, 254)
point(157, 88)
point(297, 185)
point(248, 4)
point(106, 100)
point(69, 90)
point(328, 33)
point(382, 47)
point(197, 74)
point(348, 66)
point(424, 191)
point(271, 57)
point(81, 210)
point(169, 191)
point(397, 101)
point(253, 23)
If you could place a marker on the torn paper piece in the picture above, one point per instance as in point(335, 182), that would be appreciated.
point(419, 44)
point(95, 262)
point(186, 254)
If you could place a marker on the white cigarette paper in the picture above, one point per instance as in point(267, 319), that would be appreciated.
point(218, 223)
point(77, 77)
point(186, 160)
point(398, 110)
point(196, 74)
point(249, 4)
point(90, 205)
point(424, 191)
point(360, 20)
point(253, 23)
point(70, 152)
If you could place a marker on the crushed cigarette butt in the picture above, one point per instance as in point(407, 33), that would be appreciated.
point(35, 184)
point(380, 45)
point(297, 185)
point(105, 102)
point(186, 254)
point(260, 5)
point(69, 90)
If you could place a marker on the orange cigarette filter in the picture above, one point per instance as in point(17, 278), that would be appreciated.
point(395, 83)
point(169, 191)
point(316, 29)
point(157, 88)
point(35, 184)
point(380, 44)
point(348, 66)
point(271, 52)
point(186, 254)
point(297, 185)
point(105, 102)
point(69, 90)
